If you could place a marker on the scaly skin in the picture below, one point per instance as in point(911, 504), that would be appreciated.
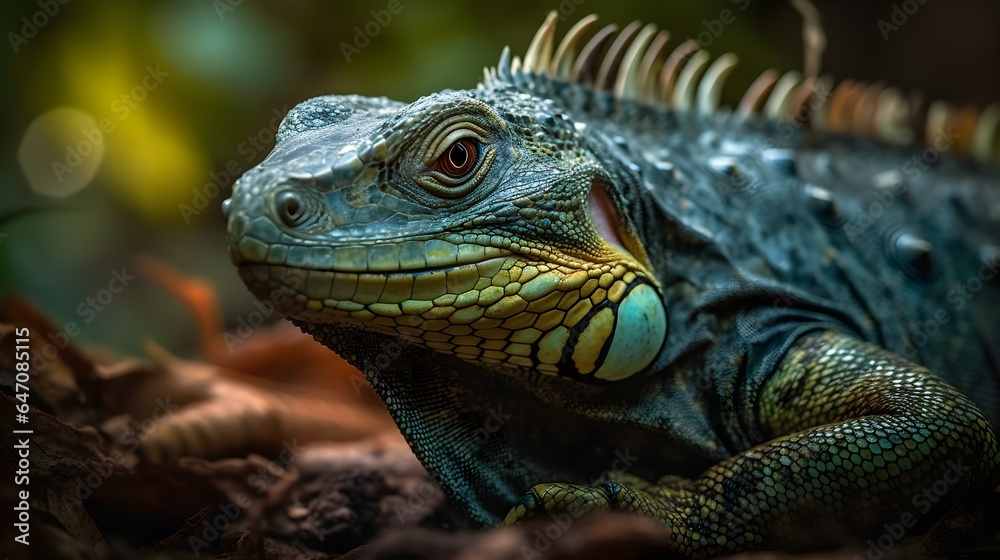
point(613, 304)
point(848, 424)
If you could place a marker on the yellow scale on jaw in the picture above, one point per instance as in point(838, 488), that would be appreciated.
point(605, 321)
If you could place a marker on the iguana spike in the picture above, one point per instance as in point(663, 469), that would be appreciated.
point(515, 68)
point(758, 92)
point(346, 167)
point(777, 103)
point(539, 53)
point(834, 109)
point(823, 89)
point(651, 61)
point(613, 59)
point(562, 62)
point(627, 82)
point(585, 65)
point(916, 113)
point(688, 78)
point(849, 106)
point(630, 67)
point(890, 116)
point(964, 123)
point(668, 76)
point(798, 102)
point(503, 67)
point(986, 137)
point(864, 111)
point(710, 89)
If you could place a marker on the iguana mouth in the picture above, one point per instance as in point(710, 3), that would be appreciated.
point(412, 256)
point(409, 291)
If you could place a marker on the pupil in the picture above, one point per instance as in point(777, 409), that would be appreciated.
point(459, 155)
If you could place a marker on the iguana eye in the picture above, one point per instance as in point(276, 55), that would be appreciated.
point(459, 159)
point(455, 158)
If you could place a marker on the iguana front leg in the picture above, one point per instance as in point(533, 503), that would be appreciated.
point(860, 437)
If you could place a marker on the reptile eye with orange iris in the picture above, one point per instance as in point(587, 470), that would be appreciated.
point(459, 158)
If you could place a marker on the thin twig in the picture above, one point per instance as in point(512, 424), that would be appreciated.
point(813, 38)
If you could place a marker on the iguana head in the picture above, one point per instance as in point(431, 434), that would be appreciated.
point(476, 223)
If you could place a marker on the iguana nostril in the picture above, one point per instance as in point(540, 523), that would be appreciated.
point(290, 208)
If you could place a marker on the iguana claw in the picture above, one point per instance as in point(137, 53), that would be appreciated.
point(577, 500)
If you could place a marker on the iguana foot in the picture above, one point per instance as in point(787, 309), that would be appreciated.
point(577, 500)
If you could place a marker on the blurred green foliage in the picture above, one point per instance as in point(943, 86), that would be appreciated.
point(190, 90)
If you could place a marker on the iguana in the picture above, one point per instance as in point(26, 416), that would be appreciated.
point(582, 285)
